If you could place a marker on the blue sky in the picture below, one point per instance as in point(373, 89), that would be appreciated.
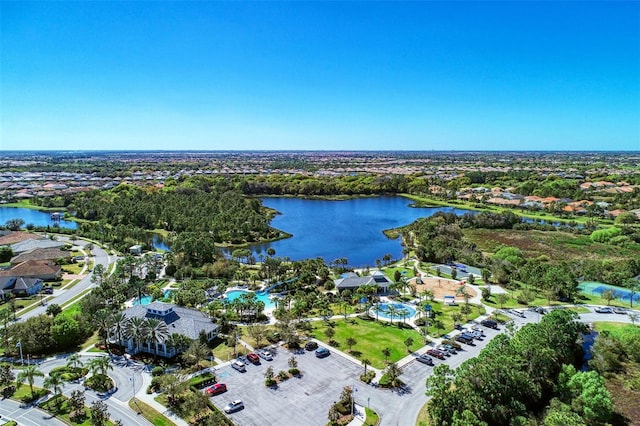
point(320, 75)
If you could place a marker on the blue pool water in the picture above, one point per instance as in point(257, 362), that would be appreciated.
point(147, 299)
point(263, 297)
point(384, 311)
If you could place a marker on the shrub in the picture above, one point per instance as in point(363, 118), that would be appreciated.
point(99, 383)
point(269, 382)
point(202, 380)
point(282, 375)
point(367, 378)
point(157, 371)
point(156, 382)
point(294, 371)
point(8, 391)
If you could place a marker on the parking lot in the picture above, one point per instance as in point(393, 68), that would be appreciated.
point(296, 401)
point(306, 400)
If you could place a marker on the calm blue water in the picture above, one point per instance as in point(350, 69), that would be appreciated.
point(335, 229)
point(35, 217)
point(263, 297)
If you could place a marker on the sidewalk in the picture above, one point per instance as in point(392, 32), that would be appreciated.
point(148, 399)
point(360, 415)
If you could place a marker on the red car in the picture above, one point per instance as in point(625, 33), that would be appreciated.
point(435, 353)
point(216, 389)
point(254, 358)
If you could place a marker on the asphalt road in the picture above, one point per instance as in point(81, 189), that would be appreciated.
point(117, 402)
point(10, 410)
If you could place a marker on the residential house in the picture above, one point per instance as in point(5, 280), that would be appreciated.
point(9, 238)
point(19, 286)
point(42, 269)
point(352, 281)
point(41, 254)
point(32, 244)
point(188, 322)
point(135, 250)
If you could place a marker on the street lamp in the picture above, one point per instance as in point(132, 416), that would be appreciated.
point(19, 344)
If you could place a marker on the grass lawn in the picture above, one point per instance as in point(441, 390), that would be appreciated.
point(615, 328)
point(405, 272)
point(371, 337)
point(222, 351)
point(62, 411)
point(423, 419)
point(149, 413)
point(372, 418)
point(443, 313)
point(24, 391)
point(594, 299)
point(73, 268)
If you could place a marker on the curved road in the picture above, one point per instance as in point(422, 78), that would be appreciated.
point(99, 256)
point(117, 402)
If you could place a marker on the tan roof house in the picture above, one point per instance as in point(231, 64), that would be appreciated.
point(43, 269)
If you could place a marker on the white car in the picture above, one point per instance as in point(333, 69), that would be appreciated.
point(265, 355)
point(234, 406)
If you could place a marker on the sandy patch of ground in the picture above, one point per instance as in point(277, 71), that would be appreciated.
point(73, 276)
point(442, 287)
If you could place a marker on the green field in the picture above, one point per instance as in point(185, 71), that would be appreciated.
point(371, 338)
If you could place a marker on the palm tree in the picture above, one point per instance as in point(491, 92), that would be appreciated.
point(99, 365)
point(178, 342)
point(393, 372)
point(55, 382)
point(377, 309)
point(350, 342)
point(392, 311)
point(438, 324)
point(462, 291)
point(427, 293)
point(633, 284)
point(403, 312)
point(104, 322)
point(74, 361)
point(29, 373)
point(387, 353)
point(136, 330)
point(119, 325)
point(365, 362)
point(157, 332)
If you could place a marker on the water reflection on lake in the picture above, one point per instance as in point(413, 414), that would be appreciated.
point(34, 217)
point(335, 229)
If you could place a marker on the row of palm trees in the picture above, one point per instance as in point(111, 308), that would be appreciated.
point(142, 330)
point(55, 382)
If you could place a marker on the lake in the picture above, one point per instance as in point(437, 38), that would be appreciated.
point(334, 229)
point(30, 216)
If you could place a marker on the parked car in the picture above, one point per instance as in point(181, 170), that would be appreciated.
point(618, 310)
point(47, 290)
point(311, 346)
point(234, 406)
point(322, 352)
point(436, 353)
point(238, 365)
point(443, 350)
point(216, 389)
point(425, 359)
point(465, 338)
point(490, 323)
point(518, 313)
point(265, 354)
point(449, 349)
point(603, 310)
point(538, 309)
point(254, 358)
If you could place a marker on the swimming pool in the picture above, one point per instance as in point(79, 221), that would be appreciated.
point(594, 287)
point(145, 300)
point(393, 311)
point(263, 297)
